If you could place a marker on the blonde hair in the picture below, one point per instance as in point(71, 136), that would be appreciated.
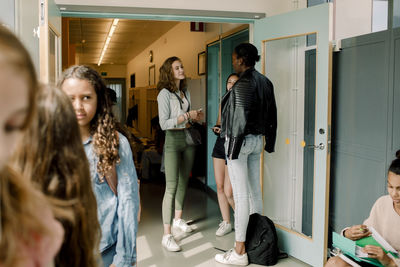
point(14, 55)
point(52, 154)
point(19, 201)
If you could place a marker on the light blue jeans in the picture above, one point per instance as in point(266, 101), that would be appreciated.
point(244, 174)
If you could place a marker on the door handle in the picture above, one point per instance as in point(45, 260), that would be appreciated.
point(321, 146)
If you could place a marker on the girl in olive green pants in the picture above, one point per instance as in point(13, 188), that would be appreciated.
point(178, 163)
point(174, 115)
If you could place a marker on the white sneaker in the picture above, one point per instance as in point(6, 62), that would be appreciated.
point(169, 243)
point(231, 257)
point(182, 225)
point(224, 228)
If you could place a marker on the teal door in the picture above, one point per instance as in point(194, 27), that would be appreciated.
point(219, 66)
point(295, 178)
point(213, 95)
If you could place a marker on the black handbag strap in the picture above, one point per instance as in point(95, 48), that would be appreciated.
point(181, 101)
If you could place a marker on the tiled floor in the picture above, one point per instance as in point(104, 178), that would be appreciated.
point(198, 247)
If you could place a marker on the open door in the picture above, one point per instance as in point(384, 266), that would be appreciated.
point(296, 56)
point(27, 27)
point(50, 41)
point(38, 25)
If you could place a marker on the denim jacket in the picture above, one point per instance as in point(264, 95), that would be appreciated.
point(117, 214)
point(169, 109)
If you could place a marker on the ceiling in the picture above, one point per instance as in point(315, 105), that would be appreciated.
point(130, 38)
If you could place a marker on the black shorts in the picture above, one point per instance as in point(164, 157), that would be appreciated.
point(361, 263)
point(219, 149)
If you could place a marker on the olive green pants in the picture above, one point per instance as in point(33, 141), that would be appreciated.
point(178, 160)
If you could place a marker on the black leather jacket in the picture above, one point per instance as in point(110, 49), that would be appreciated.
point(249, 108)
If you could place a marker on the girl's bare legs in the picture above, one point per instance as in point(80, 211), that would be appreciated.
point(336, 262)
point(228, 188)
point(178, 214)
point(219, 173)
point(167, 229)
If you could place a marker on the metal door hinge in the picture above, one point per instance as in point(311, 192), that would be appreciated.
point(42, 12)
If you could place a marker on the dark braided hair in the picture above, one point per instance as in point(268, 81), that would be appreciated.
point(248, 53)
point(395, 165)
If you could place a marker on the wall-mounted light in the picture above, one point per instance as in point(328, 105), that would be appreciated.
point(108, 40)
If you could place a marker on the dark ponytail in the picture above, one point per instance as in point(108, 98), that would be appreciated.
point(395, 165)
point(248, 53)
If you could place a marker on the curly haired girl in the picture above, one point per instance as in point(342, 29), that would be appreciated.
point(110, 160)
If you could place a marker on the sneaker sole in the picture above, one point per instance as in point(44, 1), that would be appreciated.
point(223, 233)
point(172, 250)
point(239, 264)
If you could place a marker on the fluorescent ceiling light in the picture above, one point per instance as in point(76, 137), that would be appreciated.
point(108, 40)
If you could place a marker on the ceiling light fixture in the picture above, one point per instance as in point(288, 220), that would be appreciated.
point(108, 40)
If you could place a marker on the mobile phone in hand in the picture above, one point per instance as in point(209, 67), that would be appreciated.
point(216, 129)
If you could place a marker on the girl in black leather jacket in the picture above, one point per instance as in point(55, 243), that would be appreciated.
point(248, 113)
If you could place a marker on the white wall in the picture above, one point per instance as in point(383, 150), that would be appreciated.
point(113, 70)
point(352, 18)
point(379, 15)
point(180, 42)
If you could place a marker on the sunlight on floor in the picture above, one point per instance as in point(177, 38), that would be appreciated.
point(197, 250)
point(143, 251)
point(192, 238)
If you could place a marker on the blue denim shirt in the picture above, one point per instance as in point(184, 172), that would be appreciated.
point(117, 214)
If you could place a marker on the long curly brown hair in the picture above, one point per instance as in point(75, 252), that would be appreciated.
point(167, 79)
point(20, 203)
point(52, 154)
point(102, 126)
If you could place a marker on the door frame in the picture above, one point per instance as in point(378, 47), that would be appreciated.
point(240, 17)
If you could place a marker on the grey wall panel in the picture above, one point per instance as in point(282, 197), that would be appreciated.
point(396, 93)
point(358, 183)
point(362, 97)
point(396, 13)
point(360, 126)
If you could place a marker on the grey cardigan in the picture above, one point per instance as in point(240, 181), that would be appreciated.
point(169, 109)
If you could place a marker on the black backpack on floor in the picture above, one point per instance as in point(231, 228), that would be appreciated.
point(261, 241)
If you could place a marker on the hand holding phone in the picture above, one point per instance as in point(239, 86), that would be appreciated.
point(216, 129)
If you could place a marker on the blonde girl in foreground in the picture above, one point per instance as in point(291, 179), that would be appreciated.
point(30, 236)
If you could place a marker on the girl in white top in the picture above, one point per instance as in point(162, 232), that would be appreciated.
point(384, 217)
point(174, 114)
